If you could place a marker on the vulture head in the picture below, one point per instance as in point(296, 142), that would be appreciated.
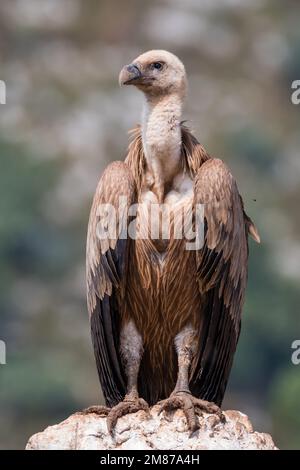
point(155, 73)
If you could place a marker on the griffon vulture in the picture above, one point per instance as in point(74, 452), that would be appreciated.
point(165, 320)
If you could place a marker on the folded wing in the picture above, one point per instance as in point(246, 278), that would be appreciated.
point(106, 267)
point(222, 275)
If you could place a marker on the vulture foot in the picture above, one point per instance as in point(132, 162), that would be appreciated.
point(128, 405)
point(191, 406)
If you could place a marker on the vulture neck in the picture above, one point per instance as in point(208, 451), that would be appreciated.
point(161, 136)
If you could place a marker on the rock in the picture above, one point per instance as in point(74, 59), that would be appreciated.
point(164, 432)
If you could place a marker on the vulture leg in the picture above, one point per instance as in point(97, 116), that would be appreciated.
point(131, 348)
point(132, 351)
point(181, 397)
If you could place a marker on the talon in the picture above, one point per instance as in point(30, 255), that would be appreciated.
point(193, 430)
point(172, 403)
point(191, 407)
point(123, 408)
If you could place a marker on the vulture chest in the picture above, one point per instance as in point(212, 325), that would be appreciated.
point(163, 293)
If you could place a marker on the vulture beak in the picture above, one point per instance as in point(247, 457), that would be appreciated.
point(129, 75)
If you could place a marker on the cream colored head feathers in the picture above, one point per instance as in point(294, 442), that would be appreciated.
point(156, 72)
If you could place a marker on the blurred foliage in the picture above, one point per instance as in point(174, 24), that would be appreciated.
point(285, 406)
point(66, 118)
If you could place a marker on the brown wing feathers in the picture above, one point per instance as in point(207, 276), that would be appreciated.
point(222, 273)
point(107, 262)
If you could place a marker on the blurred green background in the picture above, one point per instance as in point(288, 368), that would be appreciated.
point(66, 118)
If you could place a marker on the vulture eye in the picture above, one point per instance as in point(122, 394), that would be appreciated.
point(157, 65)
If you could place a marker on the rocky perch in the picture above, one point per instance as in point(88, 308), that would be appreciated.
point(164, 432)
